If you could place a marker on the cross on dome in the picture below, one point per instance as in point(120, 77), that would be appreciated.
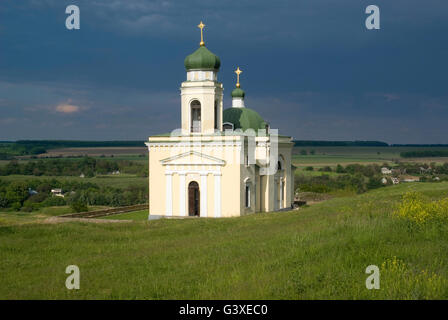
point(201, 26)
point(238, 71)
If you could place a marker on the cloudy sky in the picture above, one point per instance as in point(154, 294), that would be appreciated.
point(311, 68)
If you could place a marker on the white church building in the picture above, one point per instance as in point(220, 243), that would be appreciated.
point(219, 163)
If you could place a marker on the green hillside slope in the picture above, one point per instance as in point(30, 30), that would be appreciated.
point(317, 252)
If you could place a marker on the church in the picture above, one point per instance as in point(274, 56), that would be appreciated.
point(220, 162)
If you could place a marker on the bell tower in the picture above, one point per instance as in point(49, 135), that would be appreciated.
point(201, 93)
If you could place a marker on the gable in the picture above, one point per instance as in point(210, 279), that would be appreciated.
point(192, 158)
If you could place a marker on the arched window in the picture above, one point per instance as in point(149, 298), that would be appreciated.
point(280, 163)
point(247, 193)
point(227, 126)
point(195, 116)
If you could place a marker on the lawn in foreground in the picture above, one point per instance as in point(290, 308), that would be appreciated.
point(19, 217)
point(318, 252)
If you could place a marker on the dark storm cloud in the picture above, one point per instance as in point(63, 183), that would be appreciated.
point(310, 67)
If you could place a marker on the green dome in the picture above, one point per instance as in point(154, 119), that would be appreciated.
point(202, 59)
point(238, 93)
point(244, 118)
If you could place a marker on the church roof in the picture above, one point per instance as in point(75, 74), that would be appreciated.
point(244, 118)
point(202, 59)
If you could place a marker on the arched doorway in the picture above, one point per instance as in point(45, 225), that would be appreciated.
point(193, 199)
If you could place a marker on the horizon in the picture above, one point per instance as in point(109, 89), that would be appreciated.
point(388, 144)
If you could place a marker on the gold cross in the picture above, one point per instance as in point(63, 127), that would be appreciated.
point(201, 26)
point(238, 72)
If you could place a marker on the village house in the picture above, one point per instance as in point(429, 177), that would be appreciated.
point(410, 179)
point(57, 192)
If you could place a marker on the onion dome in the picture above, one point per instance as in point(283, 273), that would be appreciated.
point(202, 59)
point(238, 93)
point(244, 118)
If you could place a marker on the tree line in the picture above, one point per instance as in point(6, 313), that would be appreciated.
point(87, 166)
point(33, 194)
point(424, 154)
point(353, 177)
point(10, 149)
point(322, 143)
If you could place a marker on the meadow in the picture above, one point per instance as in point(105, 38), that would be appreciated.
point(317, 252)
point(9, 217)
point(320, 251)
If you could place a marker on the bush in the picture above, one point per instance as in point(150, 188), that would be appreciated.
point(37, 198)
point(27, 209)
point(309, 168)
point(317, 188)
point(16, 206)
point(374, 183)
point(79, 206)
point(54, 201)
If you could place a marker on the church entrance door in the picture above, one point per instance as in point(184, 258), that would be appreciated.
point(193, 199)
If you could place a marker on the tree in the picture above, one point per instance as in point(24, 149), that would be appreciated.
point(340, 169)
point(17, 192)
point(79, 206)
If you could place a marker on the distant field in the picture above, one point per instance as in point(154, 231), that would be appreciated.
point(331, 156)
point(96, 152)
point(117, 181)
point(323, 156)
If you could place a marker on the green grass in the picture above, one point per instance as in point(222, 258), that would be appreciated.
point(134, 215)
point(18, 217)
point(315, 173)
point(318, 252)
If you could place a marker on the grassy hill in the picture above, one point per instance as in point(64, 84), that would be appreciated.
point(320, 251)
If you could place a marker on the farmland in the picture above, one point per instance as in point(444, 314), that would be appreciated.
point(331, 156)
point(134, 153)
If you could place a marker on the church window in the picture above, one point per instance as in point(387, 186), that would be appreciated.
point(282, 191)
point(247, 196)
point(227, 126)
point(195, 116)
